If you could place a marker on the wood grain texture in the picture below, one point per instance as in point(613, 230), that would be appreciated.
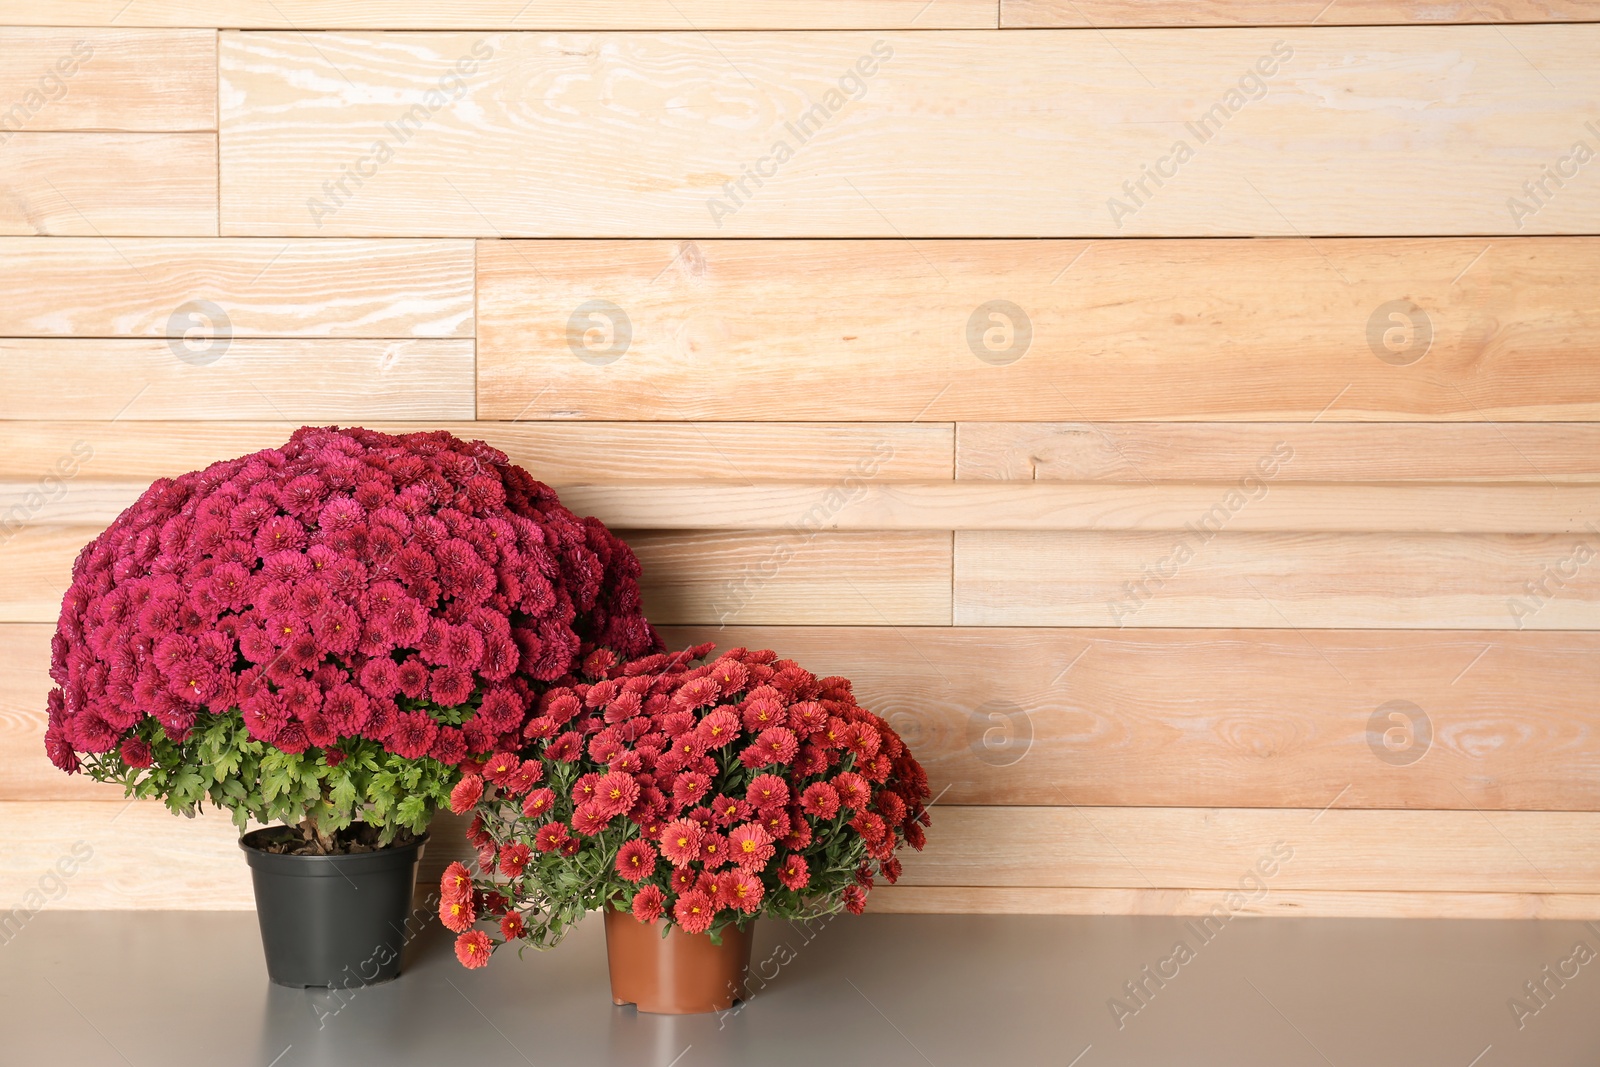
point(142, 857)
point(1533, 453)
point(555, 453)
point(839, 579)
point(1107, 14)
point(1359, 131)
point(795, 577)
point(1309, 581)
point(807, 439)
point(851, 504)
point(1337, 904)
point(1258, 330)
point(1226, 718)
point(106, 79)
point(1147, 717)
point(1217, 848)
point(88, 287)
point(858, 505)
point(509, 14)
point(109, 184)
point(25, 772)
point(306, 379)
point(36, 568)
point(146, 858)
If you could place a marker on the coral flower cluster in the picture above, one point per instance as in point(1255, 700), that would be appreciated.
point(698, 792)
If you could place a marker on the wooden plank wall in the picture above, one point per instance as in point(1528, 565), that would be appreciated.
point(1181, 419)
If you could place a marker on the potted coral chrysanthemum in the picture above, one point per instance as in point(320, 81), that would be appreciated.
point(326, 635)
point(687, 799)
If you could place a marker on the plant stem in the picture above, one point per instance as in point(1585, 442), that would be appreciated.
point(312, 832)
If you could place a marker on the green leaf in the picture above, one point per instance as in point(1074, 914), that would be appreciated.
point(411, 810)
point(227, 763)
point(341, 790)
point(217, 761)
point(274, 781)
point(187, 785)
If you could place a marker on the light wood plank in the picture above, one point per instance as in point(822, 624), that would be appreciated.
point(555, 453)
point(1225, 718)
point(795, 577)
point(26, 773)
point(109, 184)
point(509, 14)
point(1359, 131)
point(1291, 903)
point(142, 857)
point(88, 287)
point(105, 79)
point(1104, 14)
point(861, 505)
point(852, 504)
point(869, 579)
point(1537, 453)
point(815, 14)
point(311, 380)
point(1258, 330)
point(1216, 848)
point(1145, 717)
point(37, 570)
point(149, 859)
point(1309, 581)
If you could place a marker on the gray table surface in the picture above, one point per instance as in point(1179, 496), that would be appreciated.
point(169, 989)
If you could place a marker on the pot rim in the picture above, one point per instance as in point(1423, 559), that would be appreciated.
point(739, 927)
point(328, 866)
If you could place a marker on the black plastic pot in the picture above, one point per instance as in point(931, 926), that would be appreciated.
point(333, 920)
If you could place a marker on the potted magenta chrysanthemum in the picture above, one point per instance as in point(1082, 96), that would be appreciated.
point(326, 636)
point(686, 799)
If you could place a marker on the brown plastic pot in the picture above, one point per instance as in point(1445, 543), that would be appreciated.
point(680, 974)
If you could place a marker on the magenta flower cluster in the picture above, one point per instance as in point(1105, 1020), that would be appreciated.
point(338, 587)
